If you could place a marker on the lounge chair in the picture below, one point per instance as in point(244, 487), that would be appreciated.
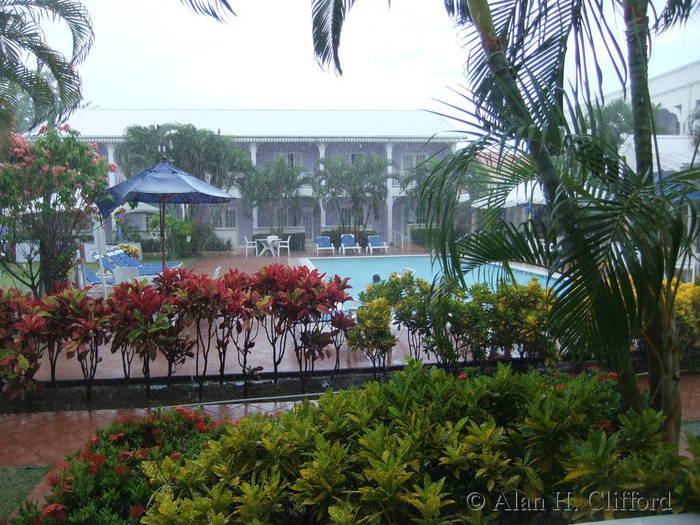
point(121, 258)
point(323, 243)
point(110, 264)
point(92, 278)
point(374, 242)
point(348, 244)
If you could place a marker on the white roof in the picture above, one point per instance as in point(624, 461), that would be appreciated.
point(106, 122)
point(675, 152)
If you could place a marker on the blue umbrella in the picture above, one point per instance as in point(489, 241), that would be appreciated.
point(162, 184)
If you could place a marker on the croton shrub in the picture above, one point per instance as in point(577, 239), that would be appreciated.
point(103, 482)
point(430, 447)
point(180, 315)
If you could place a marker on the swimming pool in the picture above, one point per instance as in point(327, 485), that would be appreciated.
point(361, 269)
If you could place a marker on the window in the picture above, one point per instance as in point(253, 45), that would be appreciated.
point(345, 216)
point(409, 161)
point(225, 218)
point(293, 159)
point(355, 157)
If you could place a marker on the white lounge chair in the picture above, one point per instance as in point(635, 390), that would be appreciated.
point(348, 244)
point(323, 243)
point(374, 242)
point(249, 245)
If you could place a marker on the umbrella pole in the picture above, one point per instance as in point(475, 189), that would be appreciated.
point(162, 231)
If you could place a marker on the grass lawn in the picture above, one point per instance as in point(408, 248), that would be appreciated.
point(15, 485)
point(6, 282)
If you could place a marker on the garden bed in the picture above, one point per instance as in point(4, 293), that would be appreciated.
point(112, 395)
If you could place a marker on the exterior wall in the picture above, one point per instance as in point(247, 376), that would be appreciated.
point(264, 151)
point(269, 152)
point(678, 91)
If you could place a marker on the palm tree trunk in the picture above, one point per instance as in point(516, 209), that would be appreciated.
point(637, 29)
point(520, 114)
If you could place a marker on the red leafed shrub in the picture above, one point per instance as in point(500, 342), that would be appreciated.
point(22, 331)
point(89, 320)
point(110, 464)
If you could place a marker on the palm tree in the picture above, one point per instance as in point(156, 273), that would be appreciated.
point(275, 187)
point(54, 85)
point(361, 184)
point(516, 64)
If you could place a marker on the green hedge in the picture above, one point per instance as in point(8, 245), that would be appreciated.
point(297, 241)
point(429, 447)
point(360, 238)
point(419, 236)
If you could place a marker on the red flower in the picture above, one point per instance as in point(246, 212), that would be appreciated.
point(201, 426)
point(175, 456)
point(116, 437)
point(561, 386)
point(55, 511)
point(156, 432)
point(609, 426)
point(124, 455)
point(612, 376)
point(112, 166)
point(601, 379)
point(142, 453)
point(205, 444)
point(121, 470)
point(463, 376)
point(137, 510)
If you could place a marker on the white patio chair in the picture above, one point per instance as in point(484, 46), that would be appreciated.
point(283, 245)
point(217, 272)
point(249, 245)
point(270, 245)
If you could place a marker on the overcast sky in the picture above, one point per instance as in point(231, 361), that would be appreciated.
point(159, 54)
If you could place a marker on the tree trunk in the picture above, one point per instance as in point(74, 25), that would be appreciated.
point(637, 32)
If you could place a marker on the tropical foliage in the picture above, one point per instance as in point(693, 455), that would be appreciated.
point(199, 152)
point(32, 68)
point(416, 449)
point(603, 218)
point(275, 189)
point(104, 481)
point(360, 186)
point(47, 191)
point(180, 315)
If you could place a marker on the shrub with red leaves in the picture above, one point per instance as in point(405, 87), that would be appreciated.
point(109, 463)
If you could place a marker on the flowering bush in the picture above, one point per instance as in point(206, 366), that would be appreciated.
point(47, 191)
point(103, 481)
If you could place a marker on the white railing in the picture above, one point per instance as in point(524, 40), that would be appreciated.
point(397, 239)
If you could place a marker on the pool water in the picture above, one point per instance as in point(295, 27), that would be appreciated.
point(361, 269)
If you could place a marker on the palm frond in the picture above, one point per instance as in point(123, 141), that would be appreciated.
point(216, 9)
point(328, 17)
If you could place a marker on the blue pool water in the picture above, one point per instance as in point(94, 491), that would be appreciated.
point(361, 269)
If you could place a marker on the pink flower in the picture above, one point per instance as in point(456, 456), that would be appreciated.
point(112, 167)
point(43, 129)
point(64, 127)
